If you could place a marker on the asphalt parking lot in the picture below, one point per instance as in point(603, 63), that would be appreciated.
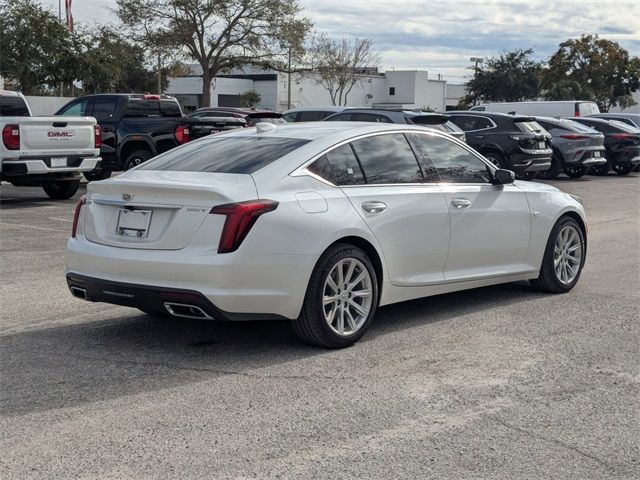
point(500, 382)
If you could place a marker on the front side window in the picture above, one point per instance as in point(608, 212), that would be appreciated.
point(344, 117)
point(309, 116)
point(370, 117)
point(454, 164)
point(225, 155)
point(75, 109)
point(388, 158)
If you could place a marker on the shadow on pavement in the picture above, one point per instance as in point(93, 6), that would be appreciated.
point(81, 363)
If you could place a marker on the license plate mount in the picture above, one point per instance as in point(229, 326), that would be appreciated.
point(133, 223)
point(58, 162)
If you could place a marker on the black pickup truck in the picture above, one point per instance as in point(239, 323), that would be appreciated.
point(135, 127)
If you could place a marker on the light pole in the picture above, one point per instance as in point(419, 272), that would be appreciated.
point(476, 61)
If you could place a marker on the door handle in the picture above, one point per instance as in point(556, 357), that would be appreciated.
point(374, 207)
point(461, 202)
point(479, 137)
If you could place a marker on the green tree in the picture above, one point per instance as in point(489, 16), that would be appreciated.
point(110, 62)
point(36, 50)
point(218, 34)
point(602, 68)
point(510, 77)
point(250, 98)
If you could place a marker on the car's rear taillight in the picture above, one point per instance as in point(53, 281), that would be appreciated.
point(574, 136)
point(97, 132)
point(76, 215)
point(11, 137)
point(241, 217)
point(624, 136)
point(183, 135)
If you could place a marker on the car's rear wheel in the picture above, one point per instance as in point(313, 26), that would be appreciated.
point(529, 176)
point(623, 169)
point(136, 158)
point(601, 170)
point(61, 189)
point(554, 170)
point(341, 298)
point(575, 172)
point(497, 160)
point(563, 258)
point(97, 174)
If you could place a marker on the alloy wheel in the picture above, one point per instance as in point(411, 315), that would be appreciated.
point(567, 254)
point(347, 296)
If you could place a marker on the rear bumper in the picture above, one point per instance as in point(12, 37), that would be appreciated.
point(154, 299)
point(42, 166)
point(529, 162)
point(234, 285)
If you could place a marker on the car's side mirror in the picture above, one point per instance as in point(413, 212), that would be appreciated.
point(503, 177)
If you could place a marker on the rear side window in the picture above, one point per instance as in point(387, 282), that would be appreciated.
point(339, 166)
point(170, 109)
point(454, 163)
point(343, 117)
point(387, 159)
point(225, 155)
point(142, 108)
point(370, 117)
point(13, 107)
point(465, 122)
point(290, 117)
point(309, 116)
point(103, 109)
point(483, 122)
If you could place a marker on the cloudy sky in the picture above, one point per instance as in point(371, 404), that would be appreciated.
point(441, 35)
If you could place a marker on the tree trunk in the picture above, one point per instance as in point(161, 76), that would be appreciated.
point(206, 86)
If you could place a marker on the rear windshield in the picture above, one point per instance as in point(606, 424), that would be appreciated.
point(529, 127)
point(624, 126)
point(225, 155)
point(152, 108)
point(13, 107)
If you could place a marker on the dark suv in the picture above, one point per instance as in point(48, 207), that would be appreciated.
point(135, 127)
point(438, 121)
point(512, 142)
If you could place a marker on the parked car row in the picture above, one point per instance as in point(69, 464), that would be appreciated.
point(134, 128)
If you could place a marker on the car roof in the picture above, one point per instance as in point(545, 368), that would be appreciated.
point(244, 110)
point(620, 115)
point(318, 108)
point(10, 93)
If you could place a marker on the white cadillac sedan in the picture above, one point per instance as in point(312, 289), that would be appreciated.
point(319, 223)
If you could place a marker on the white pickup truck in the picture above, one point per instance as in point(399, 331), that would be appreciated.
point(50, 152)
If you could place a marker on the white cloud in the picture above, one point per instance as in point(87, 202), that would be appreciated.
point(441, 35)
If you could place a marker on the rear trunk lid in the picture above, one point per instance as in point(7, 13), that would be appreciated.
point(160, 210)
point(56, 136)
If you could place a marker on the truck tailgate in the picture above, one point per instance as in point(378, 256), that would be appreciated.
point(47, 136)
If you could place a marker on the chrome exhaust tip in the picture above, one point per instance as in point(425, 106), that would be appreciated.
point(186, 310)
point(78, 292)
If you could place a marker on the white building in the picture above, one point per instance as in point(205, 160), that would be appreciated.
point(393, 88)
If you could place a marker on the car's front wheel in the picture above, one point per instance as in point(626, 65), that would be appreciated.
point(575, 172)
point(623, 169)
point(341, 298)
point(563, 257)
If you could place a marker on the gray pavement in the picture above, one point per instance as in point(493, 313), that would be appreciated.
point(500, 382)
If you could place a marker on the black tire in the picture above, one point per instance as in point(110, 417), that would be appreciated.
point(97, 174)
point(529, 176)
point(136, 158)
point(497, 159)
point(61, 189)
point(554, 170)
point(311, 326)
point(601, 170)
point(575, 172)
point(624, 169)
point(549, 281)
